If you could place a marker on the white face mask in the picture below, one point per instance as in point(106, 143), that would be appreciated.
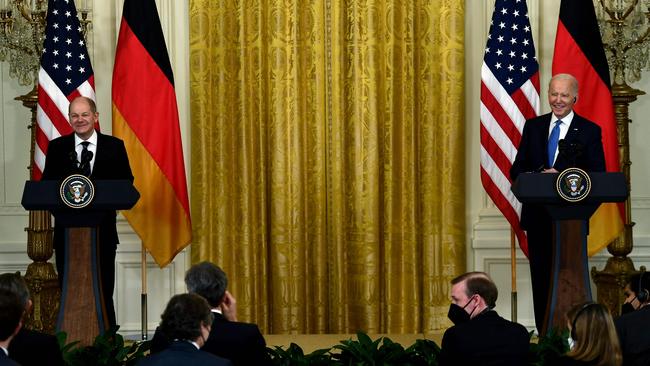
point(572, 343)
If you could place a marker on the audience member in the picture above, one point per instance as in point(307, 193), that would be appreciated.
point(634, 325)
point(26, 341)
point(242, 343)
point(11, 314)
point(593, 337)
point(186, 320)
point(479, 335)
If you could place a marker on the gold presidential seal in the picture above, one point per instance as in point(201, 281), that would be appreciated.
point(573, 184)
point(77, 191)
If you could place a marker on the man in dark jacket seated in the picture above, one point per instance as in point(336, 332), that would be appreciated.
point(26, 341)
point(479, 335)
point(632, 327)
point(186, 321)
point(242, 343)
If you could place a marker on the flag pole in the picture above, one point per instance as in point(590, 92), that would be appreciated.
point(143, 295)
point(513, 277)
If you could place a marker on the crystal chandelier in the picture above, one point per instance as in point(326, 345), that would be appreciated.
point(22, 23)
point(625, 28)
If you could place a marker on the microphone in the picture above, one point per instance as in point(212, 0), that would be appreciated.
point(570, 150)
point(72, 155)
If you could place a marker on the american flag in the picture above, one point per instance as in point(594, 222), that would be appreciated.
point(65, 74)
point(509, 96)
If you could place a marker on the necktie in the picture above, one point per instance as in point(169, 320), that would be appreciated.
point(86, 157)
point(552, 143)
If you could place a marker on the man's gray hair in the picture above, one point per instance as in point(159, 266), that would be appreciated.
point(208, 280)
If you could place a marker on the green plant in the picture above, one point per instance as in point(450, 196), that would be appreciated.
point(549, 347)
point(365, 351)
point(108, 349)
point(294, 356)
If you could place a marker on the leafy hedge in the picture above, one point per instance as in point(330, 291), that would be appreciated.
point(110, 349)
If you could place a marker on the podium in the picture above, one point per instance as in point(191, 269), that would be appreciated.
point(569, 275)
point(82, 312)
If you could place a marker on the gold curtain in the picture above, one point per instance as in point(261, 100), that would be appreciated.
point(328, 159)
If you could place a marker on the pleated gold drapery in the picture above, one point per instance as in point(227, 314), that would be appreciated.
point(328, 159)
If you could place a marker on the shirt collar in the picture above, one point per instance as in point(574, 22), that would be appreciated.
point(566, 120)
point(92, 139)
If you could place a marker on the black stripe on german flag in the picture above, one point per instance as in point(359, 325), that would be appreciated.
point(142, 18)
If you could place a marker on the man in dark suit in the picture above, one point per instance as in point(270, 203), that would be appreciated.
point(107, 159)
point(242, 343)
point(186, 320)
point(11, 314)
point(634, 325)
point(551, 143)
point(26, 341)
point(479, 335)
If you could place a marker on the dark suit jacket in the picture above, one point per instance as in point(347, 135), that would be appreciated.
point(5, 360)
point(634, 333)
point(111, 162)
point(487, 339)
point(34, 348)
point(532, 155)
point(242, 343)
point(183, 353)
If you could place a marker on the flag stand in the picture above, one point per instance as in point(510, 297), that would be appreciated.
point(513, 277)
point(143, 295)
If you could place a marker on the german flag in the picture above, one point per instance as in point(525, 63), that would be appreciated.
point(145, 116)
point(579, 51)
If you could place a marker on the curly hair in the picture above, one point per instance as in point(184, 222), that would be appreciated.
point(184, 315)
point(593, 331)
point(208, 280)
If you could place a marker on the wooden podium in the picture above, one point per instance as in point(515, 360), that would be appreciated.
point(569, 275)
point(82, 313)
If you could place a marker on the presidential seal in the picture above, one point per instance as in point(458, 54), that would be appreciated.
point(77, 191)
point(573, 184)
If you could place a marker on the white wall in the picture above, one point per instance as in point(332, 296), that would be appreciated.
point(488, 234)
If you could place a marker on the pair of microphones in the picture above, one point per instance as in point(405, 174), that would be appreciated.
point(82, 166)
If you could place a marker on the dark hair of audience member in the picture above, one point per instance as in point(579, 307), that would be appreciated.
point(479, 283)
point(208, 280)
point(11, 313)
point(15, 283)
point(184, 315)
point(594, 334)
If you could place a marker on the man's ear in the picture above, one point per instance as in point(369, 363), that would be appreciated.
point(28, 307)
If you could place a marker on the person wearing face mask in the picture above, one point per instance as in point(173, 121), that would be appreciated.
point(479, 335)
point(186, 321)
point(632, 327)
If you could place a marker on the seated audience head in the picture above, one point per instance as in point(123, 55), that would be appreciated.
point(187, 317)
point(637, 293)
point(11, 314)
point(594, 335)
point(208, 280)
point(15, 283)
point(471, 294)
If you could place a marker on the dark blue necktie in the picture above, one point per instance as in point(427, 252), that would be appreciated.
point(86, 157)
point(552, 142)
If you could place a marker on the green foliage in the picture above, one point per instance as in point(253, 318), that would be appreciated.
point(294, 356)
point(108, 349)
point(549, 348)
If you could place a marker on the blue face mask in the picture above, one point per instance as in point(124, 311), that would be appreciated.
point(458, 315)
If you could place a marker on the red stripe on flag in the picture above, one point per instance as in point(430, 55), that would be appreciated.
point(497, 155)
point(163, 142)
point(59, 121)
point(506, 209)
point(500, 115)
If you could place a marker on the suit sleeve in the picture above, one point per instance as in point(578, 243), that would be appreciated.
point(521, 163)
point(122, 165)
point(54, 168)
point(595, 152)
